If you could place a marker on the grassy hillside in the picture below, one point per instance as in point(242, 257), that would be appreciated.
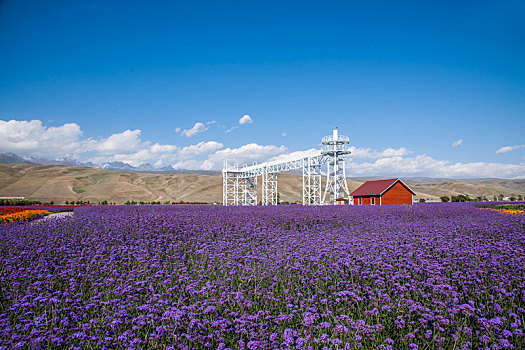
point(60, 183)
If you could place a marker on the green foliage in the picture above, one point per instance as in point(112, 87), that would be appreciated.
point(445, 199)
point(18, 202)
point(461, 198)
point(513, 207)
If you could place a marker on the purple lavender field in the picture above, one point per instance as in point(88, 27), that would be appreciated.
point(428, 276)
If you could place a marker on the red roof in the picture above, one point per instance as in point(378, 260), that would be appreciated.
point(376, 187)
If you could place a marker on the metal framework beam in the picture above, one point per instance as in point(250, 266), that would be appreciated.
point(269, 189)
point(312, 181)
point(240, 184)
point(334, 149)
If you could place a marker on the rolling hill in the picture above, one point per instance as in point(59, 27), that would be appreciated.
point(60, 183)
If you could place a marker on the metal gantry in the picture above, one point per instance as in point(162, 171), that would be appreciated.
point(269, 190)
point(240, 184)
point(335, 147)
point(312, 180)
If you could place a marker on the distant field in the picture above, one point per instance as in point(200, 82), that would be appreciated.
point(428, 276)
point(60, 183)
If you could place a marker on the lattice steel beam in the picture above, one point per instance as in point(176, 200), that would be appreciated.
point(240, 184)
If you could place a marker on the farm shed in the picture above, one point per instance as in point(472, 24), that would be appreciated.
point(383, 192)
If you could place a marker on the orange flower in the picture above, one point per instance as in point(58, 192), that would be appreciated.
point(23, 215)
point(507, 211)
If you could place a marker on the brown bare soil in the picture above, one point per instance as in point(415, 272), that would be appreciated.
point(60, 183)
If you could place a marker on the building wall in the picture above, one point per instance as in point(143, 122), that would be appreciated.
point(366, 200)
point(397, 194)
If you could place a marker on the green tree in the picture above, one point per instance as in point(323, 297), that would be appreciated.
point(445, 199)
point(461, 198)
point(520, 197)
point(500, 197)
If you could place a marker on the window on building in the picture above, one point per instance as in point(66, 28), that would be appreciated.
point(373, 201)
point(360, 201)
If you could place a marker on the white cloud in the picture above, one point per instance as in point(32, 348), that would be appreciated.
point(196, 129)
point(124, 142)
point(143, 152)
point(423, 165)
point(508, 149)
point(177, 130)
point(295, 155)
point(31, 137)
point(199, 149)
point(284, 134)
point(188, 165)
point(368, 153)
point(457, 143)
point(245, 119)
point(246, 154)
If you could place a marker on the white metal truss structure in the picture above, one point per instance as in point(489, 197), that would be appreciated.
point(230, 187)
point(269, 190)
point(240, 184)
point(312, 180)
point(248, 190)
point(335, 147)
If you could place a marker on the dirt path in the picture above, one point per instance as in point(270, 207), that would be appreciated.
point(60, 215)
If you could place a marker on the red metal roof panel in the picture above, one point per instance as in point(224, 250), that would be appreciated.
point(375, 187)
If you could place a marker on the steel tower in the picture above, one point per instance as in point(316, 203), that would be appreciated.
point(240, 183)
point(334, 148)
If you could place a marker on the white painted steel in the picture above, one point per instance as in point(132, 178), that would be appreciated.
point(240, 184)
point(269, 190)
point(334, 148)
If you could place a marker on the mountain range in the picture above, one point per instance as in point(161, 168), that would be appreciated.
point(60, 183)
point(12, 158)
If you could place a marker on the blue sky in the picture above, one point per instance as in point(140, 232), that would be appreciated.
point(113, 80)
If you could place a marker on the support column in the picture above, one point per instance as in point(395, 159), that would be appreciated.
point(269, 190)
point(311, 181)
point(248, 190)
point(230, 188)
point(336, 185)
